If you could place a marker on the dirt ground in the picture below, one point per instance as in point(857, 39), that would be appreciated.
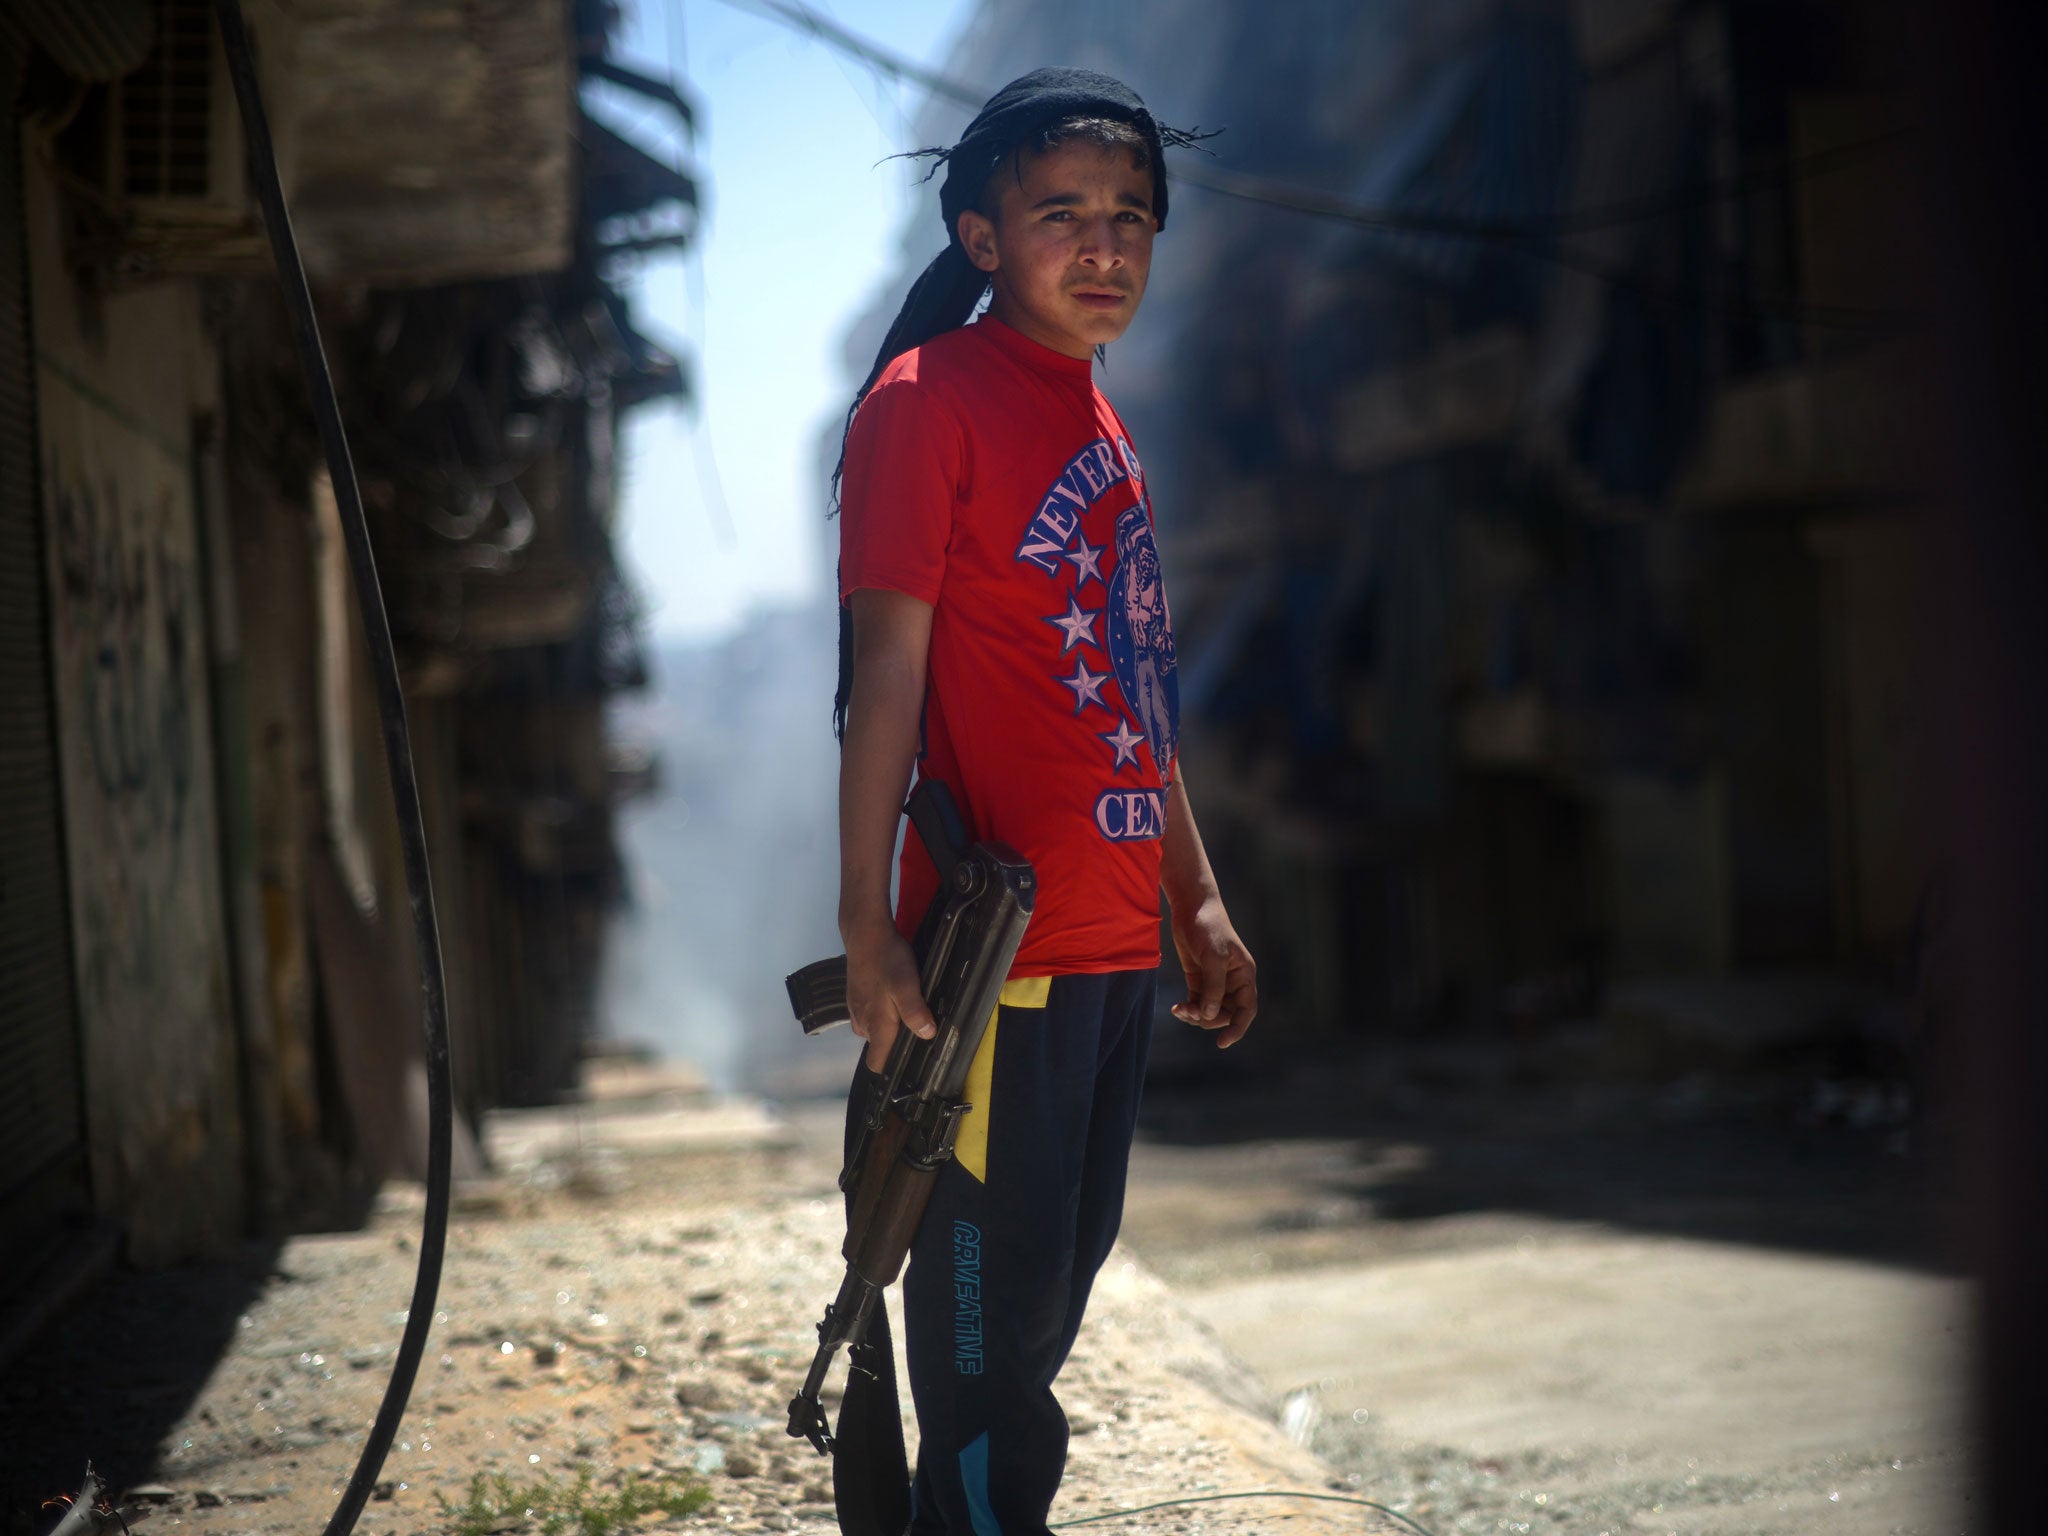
point(1524, 1306)
point(1493, 1304)
point(635, 1296)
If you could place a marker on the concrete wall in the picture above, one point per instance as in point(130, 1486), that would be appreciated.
point(270, 549)
point(120, 381)
point(431, 139)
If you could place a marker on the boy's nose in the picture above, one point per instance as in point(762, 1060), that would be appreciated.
point(1099, 244)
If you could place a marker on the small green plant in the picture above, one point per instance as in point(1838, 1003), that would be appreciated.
point(496, 1503)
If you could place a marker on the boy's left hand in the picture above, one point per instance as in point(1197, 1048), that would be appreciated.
point(1223, 986)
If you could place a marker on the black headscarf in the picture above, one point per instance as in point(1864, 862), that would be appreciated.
point(947, 291)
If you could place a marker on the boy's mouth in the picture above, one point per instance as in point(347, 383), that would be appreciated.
point(1100, 298)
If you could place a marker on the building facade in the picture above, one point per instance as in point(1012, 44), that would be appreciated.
point(209, 1019)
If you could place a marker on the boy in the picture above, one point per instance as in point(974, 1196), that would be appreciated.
point(1009, 632)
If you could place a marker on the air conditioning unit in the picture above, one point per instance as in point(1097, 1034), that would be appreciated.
point(175, 180)
point(420, 141)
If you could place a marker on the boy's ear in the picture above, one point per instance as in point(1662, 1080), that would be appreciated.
point(978, 239)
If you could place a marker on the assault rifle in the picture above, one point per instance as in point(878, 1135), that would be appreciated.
point(964, 947)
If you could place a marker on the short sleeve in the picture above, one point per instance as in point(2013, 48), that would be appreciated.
point(896, 497)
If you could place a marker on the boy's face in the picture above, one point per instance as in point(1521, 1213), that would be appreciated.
point(1071, 245)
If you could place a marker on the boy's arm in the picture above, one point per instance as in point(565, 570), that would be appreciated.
point(1223, 986)
point(891, 638)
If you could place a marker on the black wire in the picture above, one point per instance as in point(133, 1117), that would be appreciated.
point(397, 756)
point(1531, 241)
point(1280, 194)
point(1635, 210)
point(1539, 240)
point(1253, 1493)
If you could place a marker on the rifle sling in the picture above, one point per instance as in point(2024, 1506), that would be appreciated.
point(870, 1467)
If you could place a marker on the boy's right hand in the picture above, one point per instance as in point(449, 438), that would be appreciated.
point(883, 992)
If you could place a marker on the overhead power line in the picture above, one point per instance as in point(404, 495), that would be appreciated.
point(1540, 239)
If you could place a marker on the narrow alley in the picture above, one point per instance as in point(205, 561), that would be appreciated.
point(633, 1296)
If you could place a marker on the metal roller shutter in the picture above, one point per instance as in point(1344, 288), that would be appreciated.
point(42, 1136)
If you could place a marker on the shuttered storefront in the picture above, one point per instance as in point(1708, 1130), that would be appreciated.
point(42, 1136)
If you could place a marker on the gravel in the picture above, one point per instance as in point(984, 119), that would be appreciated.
point(642, 1312)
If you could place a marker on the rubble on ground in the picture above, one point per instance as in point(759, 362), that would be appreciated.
point(642, 1308)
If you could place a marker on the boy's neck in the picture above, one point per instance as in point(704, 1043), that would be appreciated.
point(1001, 307)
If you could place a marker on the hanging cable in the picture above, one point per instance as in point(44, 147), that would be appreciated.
point(1280, 194)
point(1250, 1493)
point(1539, 240)
point(405, 793)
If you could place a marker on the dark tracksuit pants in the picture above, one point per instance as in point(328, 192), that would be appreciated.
point(1020, 1221)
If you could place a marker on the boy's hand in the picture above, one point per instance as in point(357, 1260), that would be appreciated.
point(1223, 985)
point(883, 992)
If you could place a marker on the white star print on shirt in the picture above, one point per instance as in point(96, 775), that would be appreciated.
point(1087, 685)
point(1125, 740)
point(1077, 625)
point(1086, 561)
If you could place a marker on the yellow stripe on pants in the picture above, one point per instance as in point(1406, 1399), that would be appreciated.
point(971, 1146)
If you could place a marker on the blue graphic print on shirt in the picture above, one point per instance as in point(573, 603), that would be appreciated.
point(1129, 626)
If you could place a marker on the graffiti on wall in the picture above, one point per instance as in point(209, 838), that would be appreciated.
point(130, 677)
point(129, 681)
point(127, 591)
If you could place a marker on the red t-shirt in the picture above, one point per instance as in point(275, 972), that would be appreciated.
point(987, 476)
